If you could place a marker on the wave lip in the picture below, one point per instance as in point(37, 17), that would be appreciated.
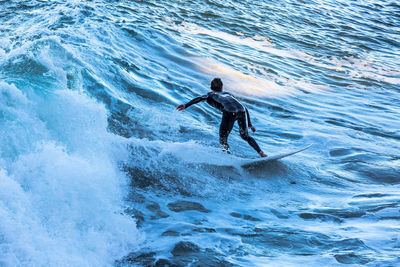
point(61, 187)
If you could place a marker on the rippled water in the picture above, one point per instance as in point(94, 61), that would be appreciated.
point(98, 168)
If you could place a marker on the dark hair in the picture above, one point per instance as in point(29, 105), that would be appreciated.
point(216, 84)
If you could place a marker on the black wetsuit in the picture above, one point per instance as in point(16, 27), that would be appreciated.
point(232, 110)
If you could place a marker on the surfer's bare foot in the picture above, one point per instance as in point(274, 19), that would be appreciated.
point(262, 154)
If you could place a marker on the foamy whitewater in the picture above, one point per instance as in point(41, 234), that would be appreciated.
point(97, 168)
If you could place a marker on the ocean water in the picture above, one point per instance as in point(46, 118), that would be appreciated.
point(97, 168)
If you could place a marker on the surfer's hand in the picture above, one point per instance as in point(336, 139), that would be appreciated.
point(252, 128)
point(181, 107)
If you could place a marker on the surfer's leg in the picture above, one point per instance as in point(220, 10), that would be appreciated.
point(244, 132)
point(228, 120)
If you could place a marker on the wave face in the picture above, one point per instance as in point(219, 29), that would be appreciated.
point(97, 168)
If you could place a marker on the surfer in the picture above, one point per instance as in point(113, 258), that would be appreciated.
point(232, 110)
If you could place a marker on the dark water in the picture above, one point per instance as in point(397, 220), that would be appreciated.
point(97, 167)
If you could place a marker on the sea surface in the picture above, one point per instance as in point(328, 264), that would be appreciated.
point(98, 168)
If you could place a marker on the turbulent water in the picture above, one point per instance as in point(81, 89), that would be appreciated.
point(97, 168)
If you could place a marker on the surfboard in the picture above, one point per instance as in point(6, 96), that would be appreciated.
point(252, 162)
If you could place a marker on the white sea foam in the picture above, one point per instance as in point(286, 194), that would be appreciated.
point(60, 188)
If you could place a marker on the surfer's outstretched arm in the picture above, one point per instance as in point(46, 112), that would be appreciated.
point(192, 102)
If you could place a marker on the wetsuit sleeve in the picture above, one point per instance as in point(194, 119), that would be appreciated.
point(248, 118)
point(196, 100)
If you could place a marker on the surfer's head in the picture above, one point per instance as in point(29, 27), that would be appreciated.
point(216, 85)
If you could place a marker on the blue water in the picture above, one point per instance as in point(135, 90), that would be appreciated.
point(97, 168)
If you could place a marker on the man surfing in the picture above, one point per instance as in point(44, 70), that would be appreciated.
point(232, 110)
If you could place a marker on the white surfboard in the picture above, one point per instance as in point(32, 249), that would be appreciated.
point(252, 162)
